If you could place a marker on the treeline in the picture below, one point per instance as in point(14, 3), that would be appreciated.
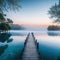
point(7, 24)
point(16, 27)
point(53, 27)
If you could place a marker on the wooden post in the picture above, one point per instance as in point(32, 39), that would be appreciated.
point(24, 43)
point(37, 45)
point(36, 42)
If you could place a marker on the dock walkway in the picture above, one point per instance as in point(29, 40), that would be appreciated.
point(30, 51)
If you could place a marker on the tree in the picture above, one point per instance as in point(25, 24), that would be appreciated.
point(6, 5)
point(9, 20)
point(55, 12)
point(4, 23)
point(4, 27)
point(2, 18)
point(9, 4)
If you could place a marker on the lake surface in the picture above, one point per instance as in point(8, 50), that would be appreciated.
point(49, 44)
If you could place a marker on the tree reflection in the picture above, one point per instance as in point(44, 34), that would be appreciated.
point(51, 33)
point(2, 49)
point(4, 37)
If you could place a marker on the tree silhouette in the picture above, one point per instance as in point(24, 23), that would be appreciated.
point(9, 4)
point(4, 27)
point(9, 20)
point(6, 5)
point(55, 12)
point(5, 23)
point(2, 18)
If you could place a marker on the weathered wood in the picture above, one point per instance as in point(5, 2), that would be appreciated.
point(30, 50)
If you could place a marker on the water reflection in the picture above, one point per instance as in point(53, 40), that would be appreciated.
point(2, 49)
point(19, 32)
point(15, 42)
point(49, 45)
point(4, 37)
point(53, 33)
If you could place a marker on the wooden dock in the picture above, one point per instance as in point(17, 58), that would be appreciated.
point(30, 51)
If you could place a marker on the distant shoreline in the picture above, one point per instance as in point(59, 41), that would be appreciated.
point(53, 28)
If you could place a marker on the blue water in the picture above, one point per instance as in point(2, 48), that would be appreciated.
point(14, 47)
point(49, 44)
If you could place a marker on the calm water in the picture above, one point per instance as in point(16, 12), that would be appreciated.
point(49, 44)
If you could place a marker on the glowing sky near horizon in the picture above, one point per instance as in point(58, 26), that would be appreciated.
point(33, 12)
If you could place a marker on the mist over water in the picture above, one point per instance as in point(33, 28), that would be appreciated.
point(36, 28)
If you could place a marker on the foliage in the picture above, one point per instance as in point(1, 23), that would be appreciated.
point(2, 18)
point(9, 4)
point(53, 27)
point(6, 5)
point(9, 20)
point(4, 23)
point(4, 27)
point(55, 12)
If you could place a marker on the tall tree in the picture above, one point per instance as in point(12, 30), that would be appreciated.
point(6, 5)
point(55, 12)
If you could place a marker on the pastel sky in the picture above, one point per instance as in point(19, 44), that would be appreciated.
point(33, 12)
